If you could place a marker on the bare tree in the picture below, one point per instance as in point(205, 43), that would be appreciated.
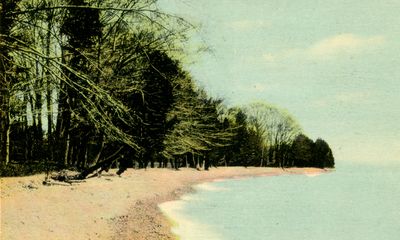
point(277, 127)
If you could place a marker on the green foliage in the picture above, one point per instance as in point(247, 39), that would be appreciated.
point(197, 127)
point(82, 25)
point(302, 149)
point(153, 103)
point(322, 154)
point(306, 153)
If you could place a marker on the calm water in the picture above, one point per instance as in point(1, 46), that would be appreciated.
point(352, 203)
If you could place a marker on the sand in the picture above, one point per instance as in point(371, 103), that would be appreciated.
point(106, 207)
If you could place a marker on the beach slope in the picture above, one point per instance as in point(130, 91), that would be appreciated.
point(106, 207)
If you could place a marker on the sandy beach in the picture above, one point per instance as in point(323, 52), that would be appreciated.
point(106, 207)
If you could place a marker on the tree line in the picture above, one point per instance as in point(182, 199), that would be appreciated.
point(94, 84)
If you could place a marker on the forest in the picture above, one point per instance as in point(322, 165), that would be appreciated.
point(90, 85)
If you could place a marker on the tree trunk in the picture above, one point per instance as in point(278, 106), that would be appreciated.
point(4, 124)
point(63, 120)
point(37, 107)
point(66, 151)
point(97, 157)
point(198, 162)
point(8, 145)
point(103, 165)
point(206, 163)
point(49, 91)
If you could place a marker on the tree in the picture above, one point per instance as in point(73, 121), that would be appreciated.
point(306, 153)
point(302, 151)
point(241, 141)
point(322, 155)
point(276, 127)
point(198, 131)
point(8, 71)
point(80, 26)
point(154, 102)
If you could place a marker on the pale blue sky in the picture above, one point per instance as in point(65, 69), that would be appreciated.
point(335, 65)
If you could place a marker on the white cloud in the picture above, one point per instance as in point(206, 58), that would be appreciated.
point(282, 55)
point(344, 44)
point(246, 25)
point(269, 57)
point(336, 46)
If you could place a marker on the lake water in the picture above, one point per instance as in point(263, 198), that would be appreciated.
point(352, 203)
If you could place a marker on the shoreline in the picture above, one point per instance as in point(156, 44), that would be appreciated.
point(108, 207)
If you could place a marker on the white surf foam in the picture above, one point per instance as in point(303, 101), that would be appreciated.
point(209, 187)
point(183, 227)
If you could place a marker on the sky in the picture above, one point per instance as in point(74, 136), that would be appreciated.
point(334, 64)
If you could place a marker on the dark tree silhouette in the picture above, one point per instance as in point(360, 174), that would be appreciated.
point(302, 149)
point(322, 155)
point(153, 104)
point(306, 153)
point(8, 71)
point(80, 26)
